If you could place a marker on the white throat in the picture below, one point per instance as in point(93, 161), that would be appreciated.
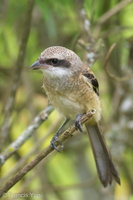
point(56, 73)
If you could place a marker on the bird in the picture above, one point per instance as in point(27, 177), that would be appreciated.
point(73, 90)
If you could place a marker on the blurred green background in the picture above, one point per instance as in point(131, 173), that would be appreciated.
point(88, 27)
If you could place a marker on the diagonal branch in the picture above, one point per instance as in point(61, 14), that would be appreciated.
point(113, 11)
point(28, 132)
point(32, 152)
point(44, 153)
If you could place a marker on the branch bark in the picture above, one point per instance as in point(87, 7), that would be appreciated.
point(26, 134)
point(31, 152)
point(44, 153)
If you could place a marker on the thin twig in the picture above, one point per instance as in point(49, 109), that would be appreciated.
point(44, 153)
point(112, 76)
point(17, 73)
point(32, 152)
point(113, 11)
point(26, 134)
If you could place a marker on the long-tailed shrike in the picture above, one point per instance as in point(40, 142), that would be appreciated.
point(73, 90)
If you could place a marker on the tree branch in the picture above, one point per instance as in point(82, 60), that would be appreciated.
point(31, 152)
point(44, 153)
point(110, 75)
point(106, 16)
point(26, 134)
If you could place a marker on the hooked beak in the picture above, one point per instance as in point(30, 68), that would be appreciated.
point(38, 65)
point(35, 65)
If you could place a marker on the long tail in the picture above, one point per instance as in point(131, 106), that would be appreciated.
point(105, 167)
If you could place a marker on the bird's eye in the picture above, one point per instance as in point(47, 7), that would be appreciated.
point(54, 61)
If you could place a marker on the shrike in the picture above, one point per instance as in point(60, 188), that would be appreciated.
point(73, 90)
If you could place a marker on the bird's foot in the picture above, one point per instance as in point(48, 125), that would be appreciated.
point(55, 144)
point(78, 122)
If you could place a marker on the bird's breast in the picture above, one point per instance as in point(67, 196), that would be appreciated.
point(73, 97)
point(66, 106)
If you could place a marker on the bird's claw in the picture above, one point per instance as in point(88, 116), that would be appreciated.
point(78, 126)
point(55, 142)
point(78, 122)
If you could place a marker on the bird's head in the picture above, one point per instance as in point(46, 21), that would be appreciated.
point(58, 61)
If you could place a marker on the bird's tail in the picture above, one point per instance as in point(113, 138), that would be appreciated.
point(105, 166)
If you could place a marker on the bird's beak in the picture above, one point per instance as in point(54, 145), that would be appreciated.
point(39, 65)
point(36, 65)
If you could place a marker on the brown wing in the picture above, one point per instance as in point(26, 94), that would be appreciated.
point(92, 79)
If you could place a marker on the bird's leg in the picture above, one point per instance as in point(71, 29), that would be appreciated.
point(55, 138)
point(78, 122)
